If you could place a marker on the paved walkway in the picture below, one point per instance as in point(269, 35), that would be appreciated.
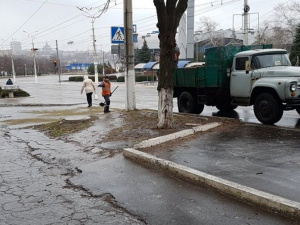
point(256, 156)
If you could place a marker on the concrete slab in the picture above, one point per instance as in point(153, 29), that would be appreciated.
point(182, 154)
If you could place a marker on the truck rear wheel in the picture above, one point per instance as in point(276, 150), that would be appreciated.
point(267, 109)
point(187, 104)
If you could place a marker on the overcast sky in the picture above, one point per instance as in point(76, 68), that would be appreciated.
point(48, 20)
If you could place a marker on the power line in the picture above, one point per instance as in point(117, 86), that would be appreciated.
point(25, 21)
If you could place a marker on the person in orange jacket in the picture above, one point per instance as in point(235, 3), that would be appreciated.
point(106, 93)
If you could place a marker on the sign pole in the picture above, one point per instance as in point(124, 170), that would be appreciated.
point(129, 53)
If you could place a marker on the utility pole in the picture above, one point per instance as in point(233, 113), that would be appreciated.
point(58, 62)
point(13, 68)
point(12, 63)
point(129, 55)
point(94, 17)
point(246, 27)
point(34, 59)
point(95, 53)
point(103, 65)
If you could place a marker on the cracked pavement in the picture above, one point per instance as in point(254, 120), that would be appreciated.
point(76, 179)
point(34, 184)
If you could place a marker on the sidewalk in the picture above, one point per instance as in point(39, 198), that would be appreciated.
point(252, 163)
point(263, 160)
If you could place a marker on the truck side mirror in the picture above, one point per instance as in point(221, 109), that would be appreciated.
point(247, 66)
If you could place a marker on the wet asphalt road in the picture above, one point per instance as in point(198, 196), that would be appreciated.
point(46, 181)
point(68, 93)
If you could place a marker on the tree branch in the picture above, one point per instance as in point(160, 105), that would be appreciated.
point(160, 12)
point(180, 9)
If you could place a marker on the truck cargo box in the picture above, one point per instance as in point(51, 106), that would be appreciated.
point(214, 73)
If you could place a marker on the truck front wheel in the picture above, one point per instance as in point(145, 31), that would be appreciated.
point(187, 104)
point(267, 109)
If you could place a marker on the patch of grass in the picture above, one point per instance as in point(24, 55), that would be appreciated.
point(29, 121)
point(64, 127)
point(70, 112)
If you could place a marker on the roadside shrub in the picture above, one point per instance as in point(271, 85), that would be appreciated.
point(92, 77)
point(17, 93)
point(121, 79)
point(138, 78)
point(145, 78)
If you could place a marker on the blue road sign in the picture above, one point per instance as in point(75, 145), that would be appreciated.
point(117, 35)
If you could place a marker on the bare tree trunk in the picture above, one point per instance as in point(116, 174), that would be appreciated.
point(168, 16)
point(165, 108)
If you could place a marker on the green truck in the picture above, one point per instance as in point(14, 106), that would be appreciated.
point(235, 76)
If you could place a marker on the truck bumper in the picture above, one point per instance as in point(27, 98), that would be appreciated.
point(293, 102)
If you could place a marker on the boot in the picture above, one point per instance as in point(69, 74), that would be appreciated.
point(106, 109)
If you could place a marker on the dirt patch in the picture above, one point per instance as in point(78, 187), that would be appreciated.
point(141, 125)
point(132, 126)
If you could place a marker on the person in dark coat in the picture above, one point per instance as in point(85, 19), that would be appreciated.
point(9, 82)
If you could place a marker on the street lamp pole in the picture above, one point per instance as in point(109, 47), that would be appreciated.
point(34, 58)
point(94, 17)
point(95, 52)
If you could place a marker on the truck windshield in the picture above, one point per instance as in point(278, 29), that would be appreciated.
point(270, 60)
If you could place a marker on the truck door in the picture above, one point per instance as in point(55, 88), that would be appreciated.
point(240, 81)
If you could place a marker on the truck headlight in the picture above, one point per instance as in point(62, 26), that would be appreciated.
point(293, 87)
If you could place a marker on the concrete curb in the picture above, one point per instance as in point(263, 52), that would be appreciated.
point(263, 199)
point(37, 105)
point(244, 193)
point(184, 133)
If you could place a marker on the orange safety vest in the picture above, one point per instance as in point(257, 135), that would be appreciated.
point(106, 89)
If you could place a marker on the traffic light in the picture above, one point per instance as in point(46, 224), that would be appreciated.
point(54, 62)
point(34, 49)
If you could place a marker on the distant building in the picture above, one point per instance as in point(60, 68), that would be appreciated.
point(46, 51)
point(73, 67)
point(47, 48)
point(16, 47)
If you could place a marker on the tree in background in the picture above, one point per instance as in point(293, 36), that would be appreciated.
point(295, 52)
point(44, 65)
point(169, 13)
point(91, 69)
point(136, 56)
point(109, 69)
point(279, 30)
point(144, 53)
point(208, 28)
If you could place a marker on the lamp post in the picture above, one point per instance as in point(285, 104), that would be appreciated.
point(197, 44)
point(34, 58)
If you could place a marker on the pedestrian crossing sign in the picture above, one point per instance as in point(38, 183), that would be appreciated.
point(117, 35)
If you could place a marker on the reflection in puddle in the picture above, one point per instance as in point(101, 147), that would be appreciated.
point(231, 114)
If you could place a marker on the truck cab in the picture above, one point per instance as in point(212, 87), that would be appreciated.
point(265, 78)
